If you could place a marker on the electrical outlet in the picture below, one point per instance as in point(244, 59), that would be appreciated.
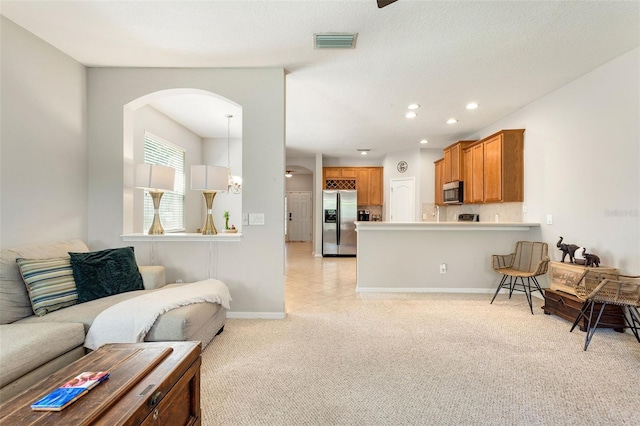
point(443, 268)
point(245, 219)
point(524, 208)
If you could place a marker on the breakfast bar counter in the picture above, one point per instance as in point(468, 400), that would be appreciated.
point(435, 256)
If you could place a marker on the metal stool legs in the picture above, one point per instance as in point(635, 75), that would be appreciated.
point(511, 284)
point(633, 321)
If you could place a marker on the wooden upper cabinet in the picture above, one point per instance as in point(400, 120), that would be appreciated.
point(368, 182)
point(454, 161)
point(494, 168)
point(477, 174)
point(504, 166)
point(446, 165)
point(375, 187)
point(369, 186)
point(439, 181)
point(349, 172)
point(467, 177)
point(363, 185)
point(339, 173)
point(332, 172)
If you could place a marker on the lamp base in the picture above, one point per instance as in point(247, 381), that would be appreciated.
point(156, 227)
point(209, 228)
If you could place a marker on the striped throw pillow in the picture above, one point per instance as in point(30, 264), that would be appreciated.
point(49, 282)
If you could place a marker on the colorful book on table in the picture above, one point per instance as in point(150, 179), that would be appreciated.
point(70, 391)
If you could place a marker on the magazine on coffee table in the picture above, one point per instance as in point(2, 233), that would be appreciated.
point(70, 391)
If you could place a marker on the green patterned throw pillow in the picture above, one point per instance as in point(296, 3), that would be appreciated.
point(49, 282)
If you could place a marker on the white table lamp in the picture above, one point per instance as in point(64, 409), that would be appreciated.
point(156, 179)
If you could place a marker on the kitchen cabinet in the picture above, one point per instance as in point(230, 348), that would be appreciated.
point(504, 167)
point(454, 161)
point(439, 181)
point(368, 182)
point(339, 172)
point(477, 174)
point(467, 174)
point(494, 168)
point(369, 186)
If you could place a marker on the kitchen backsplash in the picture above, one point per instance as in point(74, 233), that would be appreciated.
point(375, 212)
point(506, 212)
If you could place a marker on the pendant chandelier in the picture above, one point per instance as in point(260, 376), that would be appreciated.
point(235, 182)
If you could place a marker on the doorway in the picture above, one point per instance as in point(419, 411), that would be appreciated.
point(298, 215)
point(402, 204)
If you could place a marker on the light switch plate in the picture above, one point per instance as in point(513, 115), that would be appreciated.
point(256, 218)
point(245, 219)
point(549, 219)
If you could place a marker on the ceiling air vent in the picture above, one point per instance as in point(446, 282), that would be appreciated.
point(335, 40)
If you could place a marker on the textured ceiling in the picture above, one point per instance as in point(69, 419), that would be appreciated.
point(441, 55)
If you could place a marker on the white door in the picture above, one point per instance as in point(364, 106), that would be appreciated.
point(402, 204)
point(298, 216)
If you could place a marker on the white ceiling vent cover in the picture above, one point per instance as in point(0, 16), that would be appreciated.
point(335, 40)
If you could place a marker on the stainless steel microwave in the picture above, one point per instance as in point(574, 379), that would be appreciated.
point(453, 192)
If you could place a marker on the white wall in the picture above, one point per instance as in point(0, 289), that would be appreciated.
point(150, 119)
point(299, 182)
point(254, 267)
point(43, 170)
point(362, 161)
point(428, 170)
point(414, 163)
point(582, 162)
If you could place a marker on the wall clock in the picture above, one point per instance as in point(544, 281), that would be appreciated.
point(402, 166)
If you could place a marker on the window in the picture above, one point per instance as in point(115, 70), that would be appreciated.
point(159, 151)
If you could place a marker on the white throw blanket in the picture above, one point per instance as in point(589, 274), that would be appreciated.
point(130, 321)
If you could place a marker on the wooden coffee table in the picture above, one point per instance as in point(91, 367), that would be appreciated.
point(149, 383)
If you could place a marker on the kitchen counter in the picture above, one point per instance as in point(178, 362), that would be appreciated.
point(408, 257)
point(445, 226)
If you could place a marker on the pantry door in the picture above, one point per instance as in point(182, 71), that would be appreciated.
point(402, 200)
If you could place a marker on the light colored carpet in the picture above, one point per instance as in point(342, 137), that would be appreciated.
point(431, 359)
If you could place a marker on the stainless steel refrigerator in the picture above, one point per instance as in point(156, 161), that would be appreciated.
point(339, 211)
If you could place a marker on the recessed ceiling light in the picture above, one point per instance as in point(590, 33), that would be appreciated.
point(413, 106)
point(452, 121)
point(472, 105)
point(411, 115)
point(424, 141)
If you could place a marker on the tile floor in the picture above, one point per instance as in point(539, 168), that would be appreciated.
point(318, 283)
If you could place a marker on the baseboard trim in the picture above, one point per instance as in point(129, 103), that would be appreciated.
point(257, 315)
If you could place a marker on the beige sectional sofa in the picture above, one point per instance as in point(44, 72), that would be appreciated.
point(32, 347)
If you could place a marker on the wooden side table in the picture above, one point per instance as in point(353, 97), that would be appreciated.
point(568, 306)
point(149, 383)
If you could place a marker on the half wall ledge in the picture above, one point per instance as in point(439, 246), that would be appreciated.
point(182, 237)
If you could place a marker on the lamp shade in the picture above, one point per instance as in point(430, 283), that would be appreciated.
point(155, 177)
point(209, 178)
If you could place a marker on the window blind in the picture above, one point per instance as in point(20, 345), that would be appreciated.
point(164, 153)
